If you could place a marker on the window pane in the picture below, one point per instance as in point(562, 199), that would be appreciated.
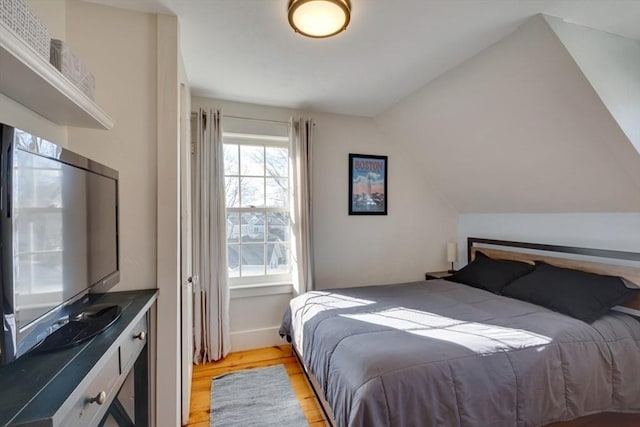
point(252, 192)
point(278, 258)
point(278, 227)
point(233, 227)
point(277, 161)
point(258, 242)
point(231, 191)
point(252, 160)
point(252, 227)
point(252, 260)
point(231, 159)
point(277, 193)
point(233, 259)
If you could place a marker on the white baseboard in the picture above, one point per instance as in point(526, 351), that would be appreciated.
point(255, 338)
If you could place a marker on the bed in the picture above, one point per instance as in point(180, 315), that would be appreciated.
point(442, 353)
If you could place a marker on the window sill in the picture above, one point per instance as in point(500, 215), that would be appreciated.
point(258, 290)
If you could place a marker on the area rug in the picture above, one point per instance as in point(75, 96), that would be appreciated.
point(255, 397)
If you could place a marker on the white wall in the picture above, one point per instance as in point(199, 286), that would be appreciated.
point(611, 63)
point(351, 250)
point(119, 47)
point(255, 318)
point(617, 231)
point(518, 128)
point(365, 250)
point(53, 15)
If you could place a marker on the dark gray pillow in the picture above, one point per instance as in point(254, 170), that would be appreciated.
point(585, 296)
point(490, 274)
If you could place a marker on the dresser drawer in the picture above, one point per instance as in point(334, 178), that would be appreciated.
point(90, 406)
point(132, 344)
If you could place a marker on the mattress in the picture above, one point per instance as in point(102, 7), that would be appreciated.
point(442, 353)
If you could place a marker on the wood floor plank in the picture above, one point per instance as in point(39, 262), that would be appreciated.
point(198, 418)
point(278, 355)
point(249, 356)
point(209, 372)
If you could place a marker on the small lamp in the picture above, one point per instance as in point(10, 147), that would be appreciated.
point(452, 253)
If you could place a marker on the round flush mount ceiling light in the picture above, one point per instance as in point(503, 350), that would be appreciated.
point(319, 18)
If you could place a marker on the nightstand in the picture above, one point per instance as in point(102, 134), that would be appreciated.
point(436, 275)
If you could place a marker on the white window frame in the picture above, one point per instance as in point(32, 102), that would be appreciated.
point(243, 139)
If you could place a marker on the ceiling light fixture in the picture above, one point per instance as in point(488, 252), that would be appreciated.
point(319, 18)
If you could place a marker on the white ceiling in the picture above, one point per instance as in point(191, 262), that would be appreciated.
point(244, 50)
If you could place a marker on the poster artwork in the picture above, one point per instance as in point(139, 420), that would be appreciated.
point(367, 185)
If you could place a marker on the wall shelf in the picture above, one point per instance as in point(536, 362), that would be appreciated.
point(30, 80)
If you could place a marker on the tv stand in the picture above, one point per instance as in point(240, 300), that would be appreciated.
point(80, 385)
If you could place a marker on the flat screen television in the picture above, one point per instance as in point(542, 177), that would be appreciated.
point(59, 237)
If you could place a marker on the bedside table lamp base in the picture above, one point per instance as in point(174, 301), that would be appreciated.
point(452, 252)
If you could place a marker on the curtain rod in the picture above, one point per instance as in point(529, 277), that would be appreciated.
point(255, 120)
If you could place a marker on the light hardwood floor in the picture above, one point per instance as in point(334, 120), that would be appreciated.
point(202, 375)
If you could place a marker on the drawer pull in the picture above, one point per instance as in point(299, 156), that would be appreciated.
point(99, 399)
point(141, 336)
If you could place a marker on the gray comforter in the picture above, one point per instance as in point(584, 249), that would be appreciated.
point(439, 353)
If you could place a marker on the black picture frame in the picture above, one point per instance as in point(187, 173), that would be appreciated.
point(368, 179)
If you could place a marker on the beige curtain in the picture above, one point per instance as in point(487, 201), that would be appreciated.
point(211, 287)
point(301, 207)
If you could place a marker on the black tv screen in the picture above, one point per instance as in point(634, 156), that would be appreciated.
point(59, 235)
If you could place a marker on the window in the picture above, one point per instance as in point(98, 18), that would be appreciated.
point(257, 201)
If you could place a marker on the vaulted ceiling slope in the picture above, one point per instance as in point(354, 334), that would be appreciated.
point(519, 128)
point(611, 63)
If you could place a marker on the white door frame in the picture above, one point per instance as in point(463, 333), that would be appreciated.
point(186, 258)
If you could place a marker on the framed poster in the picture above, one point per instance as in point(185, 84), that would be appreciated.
point(367, 185)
